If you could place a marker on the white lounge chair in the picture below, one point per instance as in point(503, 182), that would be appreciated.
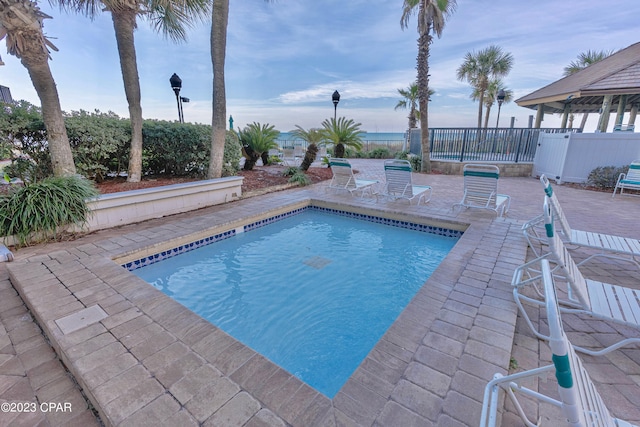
point(399, 185)
point(608, 245)
point(597, 299)
point(344, 179)
point(292, 156)
point(481, 189)
point(579, 400)
point(629, 180)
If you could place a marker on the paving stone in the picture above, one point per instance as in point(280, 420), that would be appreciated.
point(211, 398)
point(417, 399)
point(236, 412)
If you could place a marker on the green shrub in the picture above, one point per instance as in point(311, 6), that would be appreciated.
point(402, 155)
point(605, 177)
point(300, 178)
point(38, 211)
point(232, 154)
point(380, 153)
point(416, 162)
point(290, 171)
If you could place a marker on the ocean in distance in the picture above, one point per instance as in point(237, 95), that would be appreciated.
point(366, 136)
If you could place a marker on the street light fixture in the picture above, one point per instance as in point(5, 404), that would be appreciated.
point(176, 85)
point(335, 98)
point(501, 95)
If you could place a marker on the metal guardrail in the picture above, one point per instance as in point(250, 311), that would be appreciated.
point(513, 145)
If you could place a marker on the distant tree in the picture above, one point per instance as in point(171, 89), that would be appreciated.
point(491, 97)
point(584, 60)
point(313, 137)
point(480, 67)
point(257, 139)
point(21, 22)
point(431, 17)
point(342, 133)
point(171, 17)
point(410, 101)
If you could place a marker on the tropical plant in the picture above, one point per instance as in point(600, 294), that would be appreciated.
point(232, 154)
point(480, 67)
point(39, 211)
point(300, 178)
point(584, 60)
point(410, 101)
point(490, 97)
point(170, 17)
point(342, 133)
point(314, 137)
point(257, 139)
point(431, 17)
point(21, 22)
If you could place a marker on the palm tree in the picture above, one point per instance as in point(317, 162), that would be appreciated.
point(495, 85)
point(584, 60)
point(431, 17)
point(342, 133)
point(314, 137)
point(410, 100)
point(219, 22)
point(478, 69)
point(21, 21)
point(167, 16)
point(257, 139)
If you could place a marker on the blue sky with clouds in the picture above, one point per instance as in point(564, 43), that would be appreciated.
point(285, 58)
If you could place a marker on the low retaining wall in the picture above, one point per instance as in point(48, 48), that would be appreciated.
point(127, 207)
point(506, 169)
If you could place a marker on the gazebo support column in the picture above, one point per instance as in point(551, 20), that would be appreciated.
point(565, 116)
point(622, 106)
point(603, 121)
point(632, 114)
point(539, 116)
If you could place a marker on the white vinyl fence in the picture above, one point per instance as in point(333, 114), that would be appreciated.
point(570, 157)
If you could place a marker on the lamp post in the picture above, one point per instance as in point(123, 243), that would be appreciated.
point(335, 98)
point(176, 85)
point(500, 98)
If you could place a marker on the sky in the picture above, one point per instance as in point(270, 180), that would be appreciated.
point(285, 58)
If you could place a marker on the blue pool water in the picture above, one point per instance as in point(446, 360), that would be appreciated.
point(313, 292)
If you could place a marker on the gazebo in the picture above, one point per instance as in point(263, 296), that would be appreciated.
point(612, 84)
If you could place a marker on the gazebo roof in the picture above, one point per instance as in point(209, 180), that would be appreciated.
point(618, 74)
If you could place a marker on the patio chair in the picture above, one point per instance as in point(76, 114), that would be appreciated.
point(629, 180)
point(344, 179)
point(597, 299)
point(578, 398)
point(481, 189)
point(292, 156)
point(399, 185)
point(609, 246)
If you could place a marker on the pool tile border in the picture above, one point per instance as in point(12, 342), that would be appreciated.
point(169, 253)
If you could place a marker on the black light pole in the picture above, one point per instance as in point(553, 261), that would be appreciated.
point(335, 98)
point(500, 97)
point(176, 85)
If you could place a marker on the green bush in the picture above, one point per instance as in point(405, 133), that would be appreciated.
point(416, 162)
point(605, 177)
point(290, 171)
point(402, 155)
point(232, 154)
point(38, 211)
point(300, 178)
point(380, 153)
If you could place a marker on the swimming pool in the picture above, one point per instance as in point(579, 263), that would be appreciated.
point(313, 292)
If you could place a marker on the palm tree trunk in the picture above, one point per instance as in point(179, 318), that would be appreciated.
point(219, 21)
point(486, 117)
point(423, 95)
point(36, 61)
point(583, 123)
point(124, 22)
point(480, 109)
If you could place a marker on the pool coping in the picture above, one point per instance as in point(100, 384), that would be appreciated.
point(116, 353)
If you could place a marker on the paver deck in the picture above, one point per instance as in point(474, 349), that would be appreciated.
point(153, 362)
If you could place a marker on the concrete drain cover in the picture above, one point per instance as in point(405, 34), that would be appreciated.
point(317, 262)
point(80, 319)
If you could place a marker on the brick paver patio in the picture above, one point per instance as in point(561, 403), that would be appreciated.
point(150, 361)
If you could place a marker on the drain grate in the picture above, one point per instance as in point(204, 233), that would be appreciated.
point(317, 262)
